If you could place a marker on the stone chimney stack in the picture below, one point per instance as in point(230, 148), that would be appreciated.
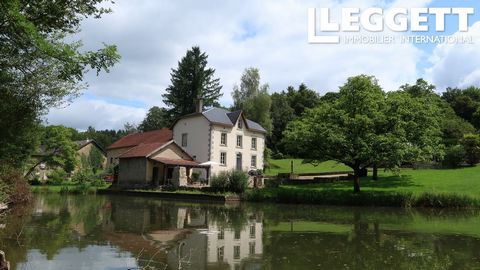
point(199, 106)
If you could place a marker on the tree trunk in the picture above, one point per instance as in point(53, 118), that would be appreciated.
point(375, 171)
point(356, 181)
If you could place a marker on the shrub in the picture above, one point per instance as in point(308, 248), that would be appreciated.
point(238, 181)
point(195, 176)
point(83, 176)
point(57, 177)
point(231, 181)
point(14, 188)
point(219, 182)
point(454, 156)
point(273, 182)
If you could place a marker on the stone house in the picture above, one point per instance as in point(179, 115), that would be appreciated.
point(225, 140)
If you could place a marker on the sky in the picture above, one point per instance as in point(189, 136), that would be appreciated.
point(271, 35)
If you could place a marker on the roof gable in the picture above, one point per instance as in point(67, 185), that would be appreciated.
point(156, 136)
point(226, 118)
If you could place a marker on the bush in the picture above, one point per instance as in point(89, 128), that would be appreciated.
point(195, 176)
point(14, 188)
point(57, 177)
point(454, 156)
point(231, 181)
point(273, 182)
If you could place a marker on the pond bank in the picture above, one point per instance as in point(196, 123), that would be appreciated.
point(174, 195)
point(286, 194)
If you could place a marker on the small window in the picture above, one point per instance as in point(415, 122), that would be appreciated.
point(240, 124)
point(236, 252)
point(221, 234)
point(253, 163)
point(252, 231)
point(254, 143)
point(251, 248)
point(239, 141)
point(184, 139)
point(223, 139)
point(223, 158)
point(237, 234)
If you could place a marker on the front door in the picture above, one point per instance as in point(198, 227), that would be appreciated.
point(239, 161)
point(155, 176)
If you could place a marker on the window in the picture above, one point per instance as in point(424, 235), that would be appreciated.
point(251, 248)
point(252, 231)
point(239, 141)
point(223, 158)
point(221, 234)
point(237, 234)
point(254, 143)
point(223, 139)
point(184, 139)
point(253, 163)
point(240, 124)
point(236, 252)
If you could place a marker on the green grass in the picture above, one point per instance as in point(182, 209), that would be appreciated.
point(67, 187)
point(283, 166)
point(426, 187)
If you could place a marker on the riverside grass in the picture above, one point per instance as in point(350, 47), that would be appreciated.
point(440, 188)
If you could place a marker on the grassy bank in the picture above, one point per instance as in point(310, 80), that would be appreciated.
point(412, 188)
point(69, 188)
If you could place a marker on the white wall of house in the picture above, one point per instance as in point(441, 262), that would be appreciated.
point(197, 129)
point(204, 142)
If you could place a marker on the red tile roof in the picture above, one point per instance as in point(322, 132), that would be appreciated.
point(180, 162)
point(156, 136)
point(142, 150)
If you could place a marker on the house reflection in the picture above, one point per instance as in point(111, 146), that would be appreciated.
point(187, 237)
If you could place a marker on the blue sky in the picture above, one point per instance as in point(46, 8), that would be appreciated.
point(271, 35)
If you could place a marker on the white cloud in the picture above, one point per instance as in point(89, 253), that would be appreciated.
point(271, 35)
point(97, 113)
point(456, 65)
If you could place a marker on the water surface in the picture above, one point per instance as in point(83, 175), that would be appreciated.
point(117, 232)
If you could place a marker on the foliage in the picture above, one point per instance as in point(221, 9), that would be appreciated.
point(57, 177)
point(13, 186)
point(282, 113)
point(103, 137)
point(471, 146)
point(56, 150)
point(191, 81)
point(465, 103)
point(454, 156)
point(253, 99)
point(365, 126)
point(157, 118)
point(302, 99)
point(229, 181)
point(39, 68)
point(93, 161)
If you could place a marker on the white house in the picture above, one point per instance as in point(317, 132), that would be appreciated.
point(226, 140)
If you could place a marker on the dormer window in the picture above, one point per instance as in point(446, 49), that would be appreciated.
point(240, 124)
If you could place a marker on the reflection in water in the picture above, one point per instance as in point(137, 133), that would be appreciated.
point(115, 232)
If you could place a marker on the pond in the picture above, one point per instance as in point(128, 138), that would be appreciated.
point(117, 232)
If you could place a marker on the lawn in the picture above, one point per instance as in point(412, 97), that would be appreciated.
point(463, 181)
point(283, 166)
point(410, 188)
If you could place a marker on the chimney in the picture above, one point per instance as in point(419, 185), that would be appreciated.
point(199, 106)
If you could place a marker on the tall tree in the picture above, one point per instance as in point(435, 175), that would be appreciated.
point(465, 103)
point(471, 145)
point(302, 99)
point(189, 82)
point(253, 99)
point(39, 67)
point(57, 149)
point(365, 126)
point(282, 113)
point(156, 118)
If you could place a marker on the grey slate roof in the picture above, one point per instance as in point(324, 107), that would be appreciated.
point(224, 117)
